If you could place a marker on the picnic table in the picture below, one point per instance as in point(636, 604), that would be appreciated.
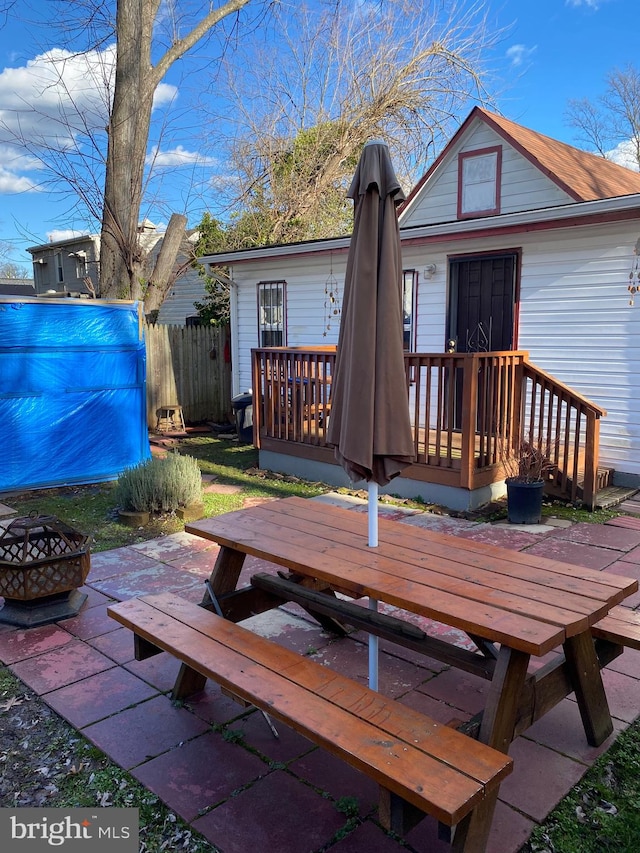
point(513, 605)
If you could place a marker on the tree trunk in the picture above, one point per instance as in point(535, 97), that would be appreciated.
point(163, 273)
point(120, 255)
point(121, 258)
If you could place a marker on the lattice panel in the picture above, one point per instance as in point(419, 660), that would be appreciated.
point(41, 556)
point(30, 582)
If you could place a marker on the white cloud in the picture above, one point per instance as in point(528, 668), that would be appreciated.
point(590, 4)
point(623, 155)
point(56, 95)
point(55, 100)
point(164, 94)
point(177, 156)
point(64, 234)
point(518, 54)
point(12, 183)
point(17, 159)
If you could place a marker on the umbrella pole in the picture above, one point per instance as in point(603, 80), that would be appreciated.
point(373, 603)
point(373, 513)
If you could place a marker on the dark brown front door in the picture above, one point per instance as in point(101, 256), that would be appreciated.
point(481, 310)
point(481, 303)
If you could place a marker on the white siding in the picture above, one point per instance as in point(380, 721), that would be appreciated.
point(577, 323)
point(523, 186)
point(575, 318)
point(305, 294)
point(179, 302)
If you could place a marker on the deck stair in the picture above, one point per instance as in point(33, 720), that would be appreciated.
point(607, 495)
point(620, 497)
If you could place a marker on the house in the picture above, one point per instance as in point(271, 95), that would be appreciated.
point(511, 241)
point(67, 267)
point(70, 267)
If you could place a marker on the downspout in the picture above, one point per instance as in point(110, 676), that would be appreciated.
point(234, 332)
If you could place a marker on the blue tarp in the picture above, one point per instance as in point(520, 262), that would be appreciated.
point(72, 392)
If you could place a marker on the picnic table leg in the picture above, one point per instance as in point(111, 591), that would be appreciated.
point(496, 730)
point(586, 680)
point(225, 574)
point(188, 682)
point(223, 578)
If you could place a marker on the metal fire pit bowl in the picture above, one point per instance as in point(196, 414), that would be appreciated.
point(43, 561)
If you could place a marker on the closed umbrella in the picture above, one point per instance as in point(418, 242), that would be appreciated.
point(369, 425)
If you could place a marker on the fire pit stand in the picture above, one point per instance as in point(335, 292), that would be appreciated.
point(43, 561)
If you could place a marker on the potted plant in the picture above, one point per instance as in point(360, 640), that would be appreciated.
point(527, 464)
point(169, 484)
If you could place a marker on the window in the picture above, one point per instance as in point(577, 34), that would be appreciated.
point(409, 291)
point(81, 264)
point(271, 313)
point(59, 269)
point(479, 182)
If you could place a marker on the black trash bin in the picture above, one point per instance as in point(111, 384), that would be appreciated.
point(243, 407)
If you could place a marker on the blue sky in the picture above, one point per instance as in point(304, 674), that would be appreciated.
point(550, 51)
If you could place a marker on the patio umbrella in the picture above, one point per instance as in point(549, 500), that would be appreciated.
point(369, 425)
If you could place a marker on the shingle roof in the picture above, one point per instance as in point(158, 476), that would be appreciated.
point(584, 176)
point(16, 287)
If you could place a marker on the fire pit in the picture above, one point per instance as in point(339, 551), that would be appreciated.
point(43, 561)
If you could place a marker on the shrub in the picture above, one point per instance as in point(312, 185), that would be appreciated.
point(160, 484)
point(528, 461)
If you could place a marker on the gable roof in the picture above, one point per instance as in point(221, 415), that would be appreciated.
point(583, 176)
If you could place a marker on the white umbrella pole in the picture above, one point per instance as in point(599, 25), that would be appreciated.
point(373, 514)
point(373, 603)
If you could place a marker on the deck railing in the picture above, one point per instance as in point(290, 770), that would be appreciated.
point(465, 409)
point(568, 425)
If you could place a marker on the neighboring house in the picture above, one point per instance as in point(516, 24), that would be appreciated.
point(17, 287)
point(511, 240)
point(66, 267)
point(71, 268)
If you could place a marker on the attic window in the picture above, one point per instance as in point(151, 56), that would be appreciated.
point(479, 175)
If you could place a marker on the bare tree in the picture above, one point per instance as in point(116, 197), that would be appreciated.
point(138, 75)
point(611, 124)
point(9, 269)
point(299, 116)
point(95, 104)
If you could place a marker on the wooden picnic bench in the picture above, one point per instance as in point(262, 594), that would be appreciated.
point(621, 626)
point(422, 766)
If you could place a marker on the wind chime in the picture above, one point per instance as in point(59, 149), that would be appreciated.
point(634, 276)
point(331, 300)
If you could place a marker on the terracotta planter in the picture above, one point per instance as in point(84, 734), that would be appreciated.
point(524, 501)
point(190, 513)
point(133, 518)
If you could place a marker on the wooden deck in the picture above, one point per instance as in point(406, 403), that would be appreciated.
point(466, 409)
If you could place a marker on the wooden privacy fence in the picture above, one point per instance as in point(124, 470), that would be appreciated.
point(186, 365)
